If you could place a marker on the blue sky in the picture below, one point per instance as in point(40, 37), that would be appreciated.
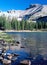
point(18, 4)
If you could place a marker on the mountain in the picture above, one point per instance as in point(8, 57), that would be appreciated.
point(33, 12)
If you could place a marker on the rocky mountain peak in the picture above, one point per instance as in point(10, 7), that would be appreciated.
point(34, 11)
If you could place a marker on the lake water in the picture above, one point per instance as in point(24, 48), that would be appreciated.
point(34, 42)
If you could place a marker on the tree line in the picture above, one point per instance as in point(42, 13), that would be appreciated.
point(14, 24)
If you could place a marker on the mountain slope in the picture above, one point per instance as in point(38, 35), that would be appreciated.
point(37, 11)
point(33, 12)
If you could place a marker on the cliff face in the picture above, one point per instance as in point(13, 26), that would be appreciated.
point(36, 11)
point(33, 12)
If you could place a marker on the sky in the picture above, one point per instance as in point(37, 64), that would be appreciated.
point(18, 4)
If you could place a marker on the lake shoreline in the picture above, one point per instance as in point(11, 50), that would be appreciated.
point(21, 31)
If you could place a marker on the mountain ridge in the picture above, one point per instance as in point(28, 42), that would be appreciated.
point(34, 11)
